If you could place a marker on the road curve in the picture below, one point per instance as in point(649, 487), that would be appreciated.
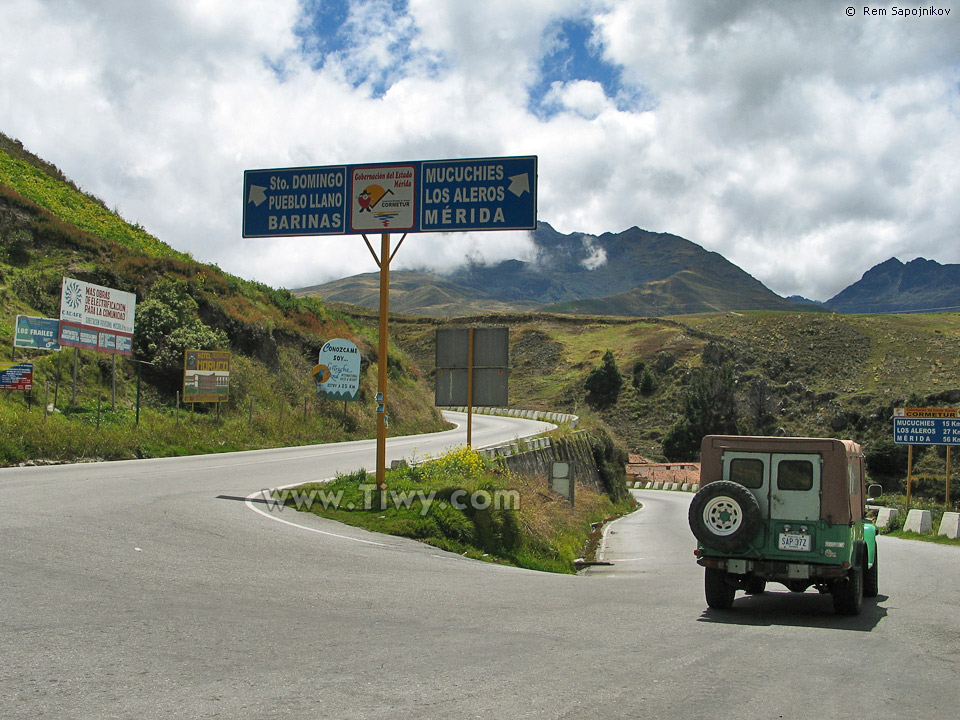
point(149, 590)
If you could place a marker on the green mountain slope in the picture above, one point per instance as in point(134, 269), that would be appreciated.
point(49, 229)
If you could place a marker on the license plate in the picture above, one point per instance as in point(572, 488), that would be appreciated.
point(794, 541)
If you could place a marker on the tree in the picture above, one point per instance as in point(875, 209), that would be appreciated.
point(166, 325)
point(759, 406)
point(647, 384)
point(709, 408)
point(604, 382)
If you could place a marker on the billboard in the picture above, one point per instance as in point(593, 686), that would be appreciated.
point(36, 333)
point(93, 317)
point(338, 373)
point(206, 375)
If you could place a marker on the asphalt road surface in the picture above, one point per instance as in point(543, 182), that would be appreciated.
point(149, 589)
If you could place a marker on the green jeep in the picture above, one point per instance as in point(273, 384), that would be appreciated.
point(786, 510)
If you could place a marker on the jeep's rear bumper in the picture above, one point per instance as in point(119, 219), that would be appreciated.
point(774, 569)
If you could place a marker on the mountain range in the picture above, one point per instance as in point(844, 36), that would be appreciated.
point(635, 273)
point(920, 285)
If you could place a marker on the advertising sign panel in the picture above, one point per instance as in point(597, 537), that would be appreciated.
point(338, 373)
point(16, 376)
point(497, 193)
point(926, 426)
point(99, 318)
point(36, 333)
point(206, 376)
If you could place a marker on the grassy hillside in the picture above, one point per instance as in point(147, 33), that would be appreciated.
point(686, 292)
point(824, 374)
point(50, 229)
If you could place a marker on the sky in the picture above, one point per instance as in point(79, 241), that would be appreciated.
point(804, 140)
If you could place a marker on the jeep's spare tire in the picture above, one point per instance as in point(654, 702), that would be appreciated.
point(724, 516)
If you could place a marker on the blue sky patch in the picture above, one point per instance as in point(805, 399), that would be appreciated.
point(342, 29)
point(570, 53)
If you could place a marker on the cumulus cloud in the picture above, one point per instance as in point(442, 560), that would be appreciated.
point(804, 145)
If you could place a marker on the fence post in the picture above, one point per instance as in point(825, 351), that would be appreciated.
point(250, 416)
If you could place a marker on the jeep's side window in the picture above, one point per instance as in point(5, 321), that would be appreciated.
point(795, 475)
point(747, 471)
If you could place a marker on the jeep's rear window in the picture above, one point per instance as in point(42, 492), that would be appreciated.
point(794, 475)
point(747, 471)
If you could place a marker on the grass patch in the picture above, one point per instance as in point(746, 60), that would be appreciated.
point(73, 435)
point(465, 503)
point(925, 537)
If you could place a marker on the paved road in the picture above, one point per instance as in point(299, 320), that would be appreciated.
point(138, 590)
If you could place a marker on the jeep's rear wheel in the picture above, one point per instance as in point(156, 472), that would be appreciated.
point(725, 516)
point(719, 592)
point(848, 592)
point(871, 578)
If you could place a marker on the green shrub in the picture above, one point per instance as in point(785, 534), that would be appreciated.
point(604, 382)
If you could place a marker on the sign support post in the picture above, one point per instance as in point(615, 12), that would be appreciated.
point(909, 472)
point(382, 362)
point(383, 262)
point(946, 499)
point(470, 390)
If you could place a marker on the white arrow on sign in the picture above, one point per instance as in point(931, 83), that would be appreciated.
point(519, 184)
point(257, 194)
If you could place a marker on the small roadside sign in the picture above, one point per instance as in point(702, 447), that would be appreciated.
point(36, 333)
point(206, 376)
point(16, 376)
point(561, 480)
point(337, 375)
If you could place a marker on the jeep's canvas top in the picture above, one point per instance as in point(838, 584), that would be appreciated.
point(843, 486)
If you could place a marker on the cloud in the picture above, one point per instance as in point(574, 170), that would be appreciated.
point(804, 145)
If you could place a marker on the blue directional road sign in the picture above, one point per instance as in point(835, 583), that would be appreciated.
point(487, 194)
point(295, 201)
point(418, 196)
point(926, 431)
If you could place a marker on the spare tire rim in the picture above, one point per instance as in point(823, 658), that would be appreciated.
point(722, 516)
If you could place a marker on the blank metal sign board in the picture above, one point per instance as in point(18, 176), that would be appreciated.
point(491, 371)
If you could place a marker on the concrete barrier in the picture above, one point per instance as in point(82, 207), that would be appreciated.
point(649, 485)
point(918, 521)
point(685, 487)
point(657, 485)
point(885, 516)
point(695, 487)
point(950, 525)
